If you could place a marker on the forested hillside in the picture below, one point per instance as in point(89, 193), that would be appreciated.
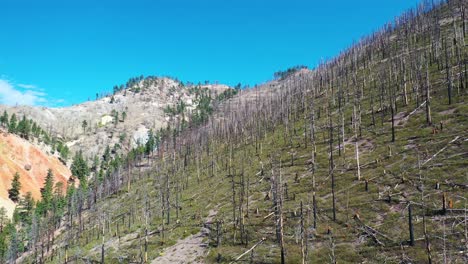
point(362, 159)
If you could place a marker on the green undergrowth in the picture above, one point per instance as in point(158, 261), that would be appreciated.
point(396, 175)
point(371, 225)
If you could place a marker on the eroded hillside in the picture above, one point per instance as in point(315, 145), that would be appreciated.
point(31, 162)
point(361, 160)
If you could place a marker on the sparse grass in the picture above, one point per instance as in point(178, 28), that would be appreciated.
point(395, 179)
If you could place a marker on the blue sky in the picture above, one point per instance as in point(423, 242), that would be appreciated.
point(58, 53)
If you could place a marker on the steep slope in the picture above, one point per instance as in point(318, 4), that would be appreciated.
point(362, 160)
point(31, 162)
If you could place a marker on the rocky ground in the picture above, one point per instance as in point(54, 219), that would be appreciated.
point(191, 249)
point(143, 107)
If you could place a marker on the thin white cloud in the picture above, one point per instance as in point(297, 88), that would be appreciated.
point(10, 95)
point(28, 86)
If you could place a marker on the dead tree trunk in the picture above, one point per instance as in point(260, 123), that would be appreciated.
point(410, 225)
point(331, 168)
point(428, 97)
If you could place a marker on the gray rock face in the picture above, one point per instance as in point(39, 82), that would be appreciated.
point(143, 105)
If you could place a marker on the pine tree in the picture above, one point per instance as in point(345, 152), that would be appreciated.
point(28, 204)
point(95, 164)
point(100, 175)
point(23, 128)
point(12, 125)
point(150, 144)
point(4, 119)
point(47, 192)
point(3, 244)
point(13, 244)
point(115, 115)
point(84, 124)
point(59, 201)
point(3, 234)
point(13, 193)
point(24, 209)
point(63, 150)
point(34, 129)
point(106, 156)
point(3, 218)
point(79, 168)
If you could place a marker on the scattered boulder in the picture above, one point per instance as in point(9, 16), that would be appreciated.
point(27, 167)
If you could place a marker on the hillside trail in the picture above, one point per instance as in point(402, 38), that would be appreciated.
point(191, 249)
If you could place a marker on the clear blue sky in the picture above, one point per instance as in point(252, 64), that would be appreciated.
point(62, 52)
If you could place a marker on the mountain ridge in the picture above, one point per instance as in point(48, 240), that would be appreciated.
point(143, 103)
point(362, 159)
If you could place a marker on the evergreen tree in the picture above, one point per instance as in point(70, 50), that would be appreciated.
point(12, 253)
point(23, 128)
point(3, 245)
point(47, 193)
point(84, 124)
point(13, 192)
point(100, 175)
point(37, 130)
point(24, 210)
point(106, 156)
point(3, 218)
point(34, 129)
point(63, 150)
point(4, 119)
point(116, 118)
point(4, 222)
point(151, 143)
point(59, 201)
point(95, 165)
point(20, 127)
point(12, 125)
point(4, 233)
point(29, 202)
point(27, 128)
point(116, 162)
point(79, 168)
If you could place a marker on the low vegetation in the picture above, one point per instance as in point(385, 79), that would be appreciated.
point(362, 159)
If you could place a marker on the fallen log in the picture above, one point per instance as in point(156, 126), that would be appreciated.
point(246, 252)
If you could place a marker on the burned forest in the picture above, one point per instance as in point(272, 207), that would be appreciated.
point(362, 159)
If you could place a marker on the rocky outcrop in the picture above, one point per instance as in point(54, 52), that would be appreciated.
point(143, 106)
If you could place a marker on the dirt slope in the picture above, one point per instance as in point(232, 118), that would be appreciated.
point(191, 249)
point(31, 162)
